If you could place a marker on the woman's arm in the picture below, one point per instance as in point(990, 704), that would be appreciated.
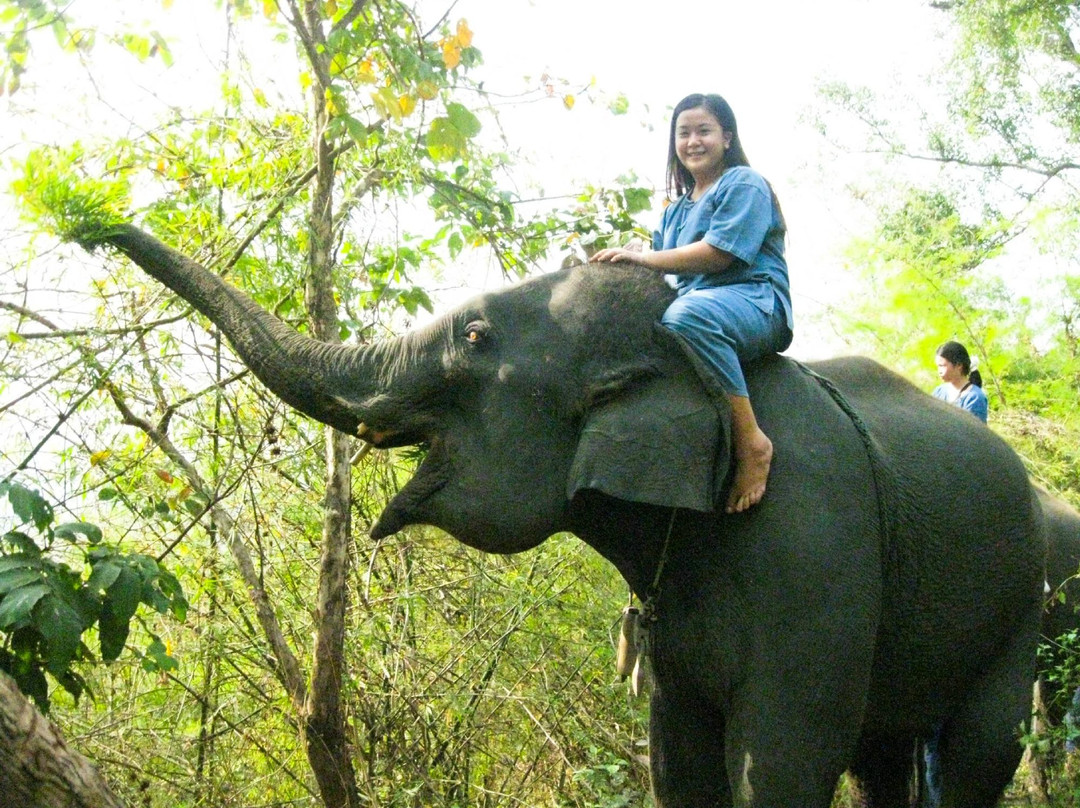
point(698, 258)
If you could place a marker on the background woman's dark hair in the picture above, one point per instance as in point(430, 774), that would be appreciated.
point(679, 179)
point(954, 352)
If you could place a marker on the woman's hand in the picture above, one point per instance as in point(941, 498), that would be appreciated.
point(614, 255)
point(697, 258)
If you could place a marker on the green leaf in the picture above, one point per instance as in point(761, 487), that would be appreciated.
point(112, 633)
point(71, 530)
point(157, 657)
point(62, 629)
point(463, 120)
point(638, 199)
point(16, 606)
point(29, 506)
point(103, 575)
point(24, 543)
point(125, 593)
point(20, 561)
point(620, 105)
point(31, 681)
point(15, 578)
point(72, 682)
point(161, 49)
point(444, 141)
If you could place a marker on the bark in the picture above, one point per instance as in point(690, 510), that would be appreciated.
point(327, 745)
point(37, 769)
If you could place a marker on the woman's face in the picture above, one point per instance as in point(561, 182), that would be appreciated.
point(947, 371)
point(700, 143)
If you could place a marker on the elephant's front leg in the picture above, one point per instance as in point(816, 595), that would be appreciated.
point(788, 738)
point(777, 744)
point(686, 751)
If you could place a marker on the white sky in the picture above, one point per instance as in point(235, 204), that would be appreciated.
point(763, 56)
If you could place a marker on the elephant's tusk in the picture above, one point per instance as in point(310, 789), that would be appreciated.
point(361, 453)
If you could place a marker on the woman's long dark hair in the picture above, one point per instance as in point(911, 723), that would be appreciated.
point(679, 178)
point(955, 352)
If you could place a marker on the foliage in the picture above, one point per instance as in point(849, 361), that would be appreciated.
point(47, 603)
point(466, 679)
point(79, 209)
point(981, 246)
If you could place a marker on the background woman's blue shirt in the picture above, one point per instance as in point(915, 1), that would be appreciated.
point(972, 399)
point(736, 215)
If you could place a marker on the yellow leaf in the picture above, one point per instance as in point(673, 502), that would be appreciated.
point(407, 104)
point(451, 54)
point(164, 476)
point(568, 101)
point(367, 72)
point(331, 107)
point(97, 458)
point(464, 35)
point(269, 9)
point(331, 8)
point(427, 90)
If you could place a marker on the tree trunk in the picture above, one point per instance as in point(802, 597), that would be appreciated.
point(37, 769)
point(327, 745)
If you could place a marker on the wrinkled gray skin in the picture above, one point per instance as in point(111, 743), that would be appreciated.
point(1061, 528)
point(821, 631)
point(1062, 525)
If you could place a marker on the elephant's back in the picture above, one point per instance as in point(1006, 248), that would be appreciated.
point(963, 565)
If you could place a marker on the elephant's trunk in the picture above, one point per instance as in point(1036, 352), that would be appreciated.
point(330, 383)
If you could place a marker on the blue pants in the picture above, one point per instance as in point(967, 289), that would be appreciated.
point(725, 328)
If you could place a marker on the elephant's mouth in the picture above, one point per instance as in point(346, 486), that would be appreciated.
point(406, 507)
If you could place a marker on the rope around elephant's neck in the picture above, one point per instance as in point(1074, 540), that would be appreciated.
point(652, 594)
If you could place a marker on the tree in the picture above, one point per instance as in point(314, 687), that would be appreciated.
point(976, 240)
point(36, 767)
point(328, 195)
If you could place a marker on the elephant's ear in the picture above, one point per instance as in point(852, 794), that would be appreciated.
point(662, 439)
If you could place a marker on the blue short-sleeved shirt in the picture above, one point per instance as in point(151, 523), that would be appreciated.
point(971, 398)
point(736, 215)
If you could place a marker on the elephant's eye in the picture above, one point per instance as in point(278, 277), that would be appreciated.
point(475, 333)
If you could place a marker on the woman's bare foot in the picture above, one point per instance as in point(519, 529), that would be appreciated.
point(752, 465)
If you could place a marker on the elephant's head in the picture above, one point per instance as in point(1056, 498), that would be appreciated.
point(521, 397)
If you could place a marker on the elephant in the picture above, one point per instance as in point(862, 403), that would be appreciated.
point(1061, 530)
point(1061, 523)
point(824, 630)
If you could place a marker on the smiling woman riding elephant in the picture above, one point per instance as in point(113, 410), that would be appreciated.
point(823, 630)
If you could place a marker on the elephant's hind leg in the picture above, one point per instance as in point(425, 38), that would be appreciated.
point(884, 770)
point(980, 747)
point(686, 753)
